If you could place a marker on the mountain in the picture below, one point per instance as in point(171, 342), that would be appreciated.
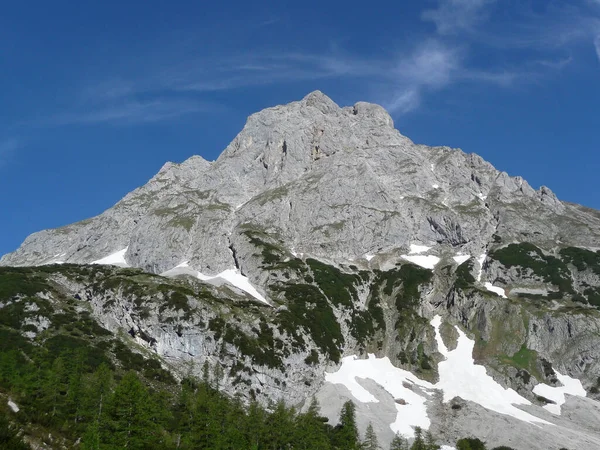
point(325, 254)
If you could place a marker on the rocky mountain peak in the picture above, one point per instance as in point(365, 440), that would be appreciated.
point(328, 181)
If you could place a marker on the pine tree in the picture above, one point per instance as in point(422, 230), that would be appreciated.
point(133, 416)
point(310, 430)
point(399, 443)
point(430, 442)
point(419, 442)
point(281, 429)
point(370, 442)
point(470, 444)
point(345, 433)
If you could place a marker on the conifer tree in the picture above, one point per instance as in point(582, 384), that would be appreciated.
point(310, 429)
point(430, 442)
point(345, 433)
point(133, 416)
point(399, 443)
point(419, 442)
point(370, 442)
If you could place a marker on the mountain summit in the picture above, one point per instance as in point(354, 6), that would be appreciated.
point(325, 254)
point(333, 182)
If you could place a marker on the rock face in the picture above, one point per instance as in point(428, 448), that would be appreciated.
point(332, 182)
point(328, 213)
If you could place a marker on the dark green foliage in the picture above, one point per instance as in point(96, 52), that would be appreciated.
point(464, 279)
point(308, 308)
point(370, 442)
point(345, 434)
point(582, 259)
point(528, 256)
point(399, 443)
point(24, 282)
point(470, 444)
point(336, 285)
point(9, 436)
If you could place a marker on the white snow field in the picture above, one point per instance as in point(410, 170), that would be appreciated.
point(480, 261)
point(114, 259)
point(230, 276)
point(425, 261)
point(459, 376)
point(418, 249)
point(461, 258)
point(569, 386)
point(412, 414)
point(498, 290)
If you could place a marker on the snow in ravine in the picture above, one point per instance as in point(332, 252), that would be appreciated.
point(570, 386)
point(480, 261)
point(230, 276)
point(498, 290)
point(114, 259)
point(425, 261)
point(459, 376)
point(461, 258)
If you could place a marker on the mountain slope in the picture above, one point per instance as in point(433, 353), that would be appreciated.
point(322, 233)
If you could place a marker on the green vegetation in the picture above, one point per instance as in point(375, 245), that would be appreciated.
point(528, 256)
point(582, 259)
point(308, 308)
point(464, 279)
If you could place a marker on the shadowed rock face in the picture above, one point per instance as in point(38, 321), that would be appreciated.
point(333, 182)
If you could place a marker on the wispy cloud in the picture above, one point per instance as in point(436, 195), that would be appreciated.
point(400, 80)
point(453, 16)
point(7, 149)
point(130, 112)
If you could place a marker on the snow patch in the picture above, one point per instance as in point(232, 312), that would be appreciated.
point(480, 261)
point(381, 371)
point(230, 276)
point(427, 262)
point(234, 277)
point(482, 197)
point(461, 377)
point(418, 249)
point(498, 290)
point(461, 258)
point(436, 186)
point(12, 405)
point(447, 447)
point(369, 257)
point(569, 386)
point(114, 259)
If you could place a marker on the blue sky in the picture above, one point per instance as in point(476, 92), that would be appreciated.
point(96, 96)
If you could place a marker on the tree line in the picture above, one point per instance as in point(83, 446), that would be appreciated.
point(104, 408)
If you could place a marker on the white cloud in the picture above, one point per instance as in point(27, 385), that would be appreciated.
point(597, 45)
point(452, 16)
point(130, 112)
